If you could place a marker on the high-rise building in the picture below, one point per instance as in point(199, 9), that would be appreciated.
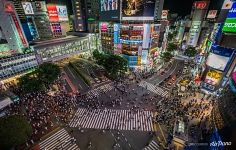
point(130, 31)
point(199, 12)
point(222, 48)
point(13, 39)
point(86, 15)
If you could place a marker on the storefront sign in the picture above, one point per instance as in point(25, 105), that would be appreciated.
point(232, 12)
point(200, 4)
point(19, 30)
point(230, 25)
point(212, 14)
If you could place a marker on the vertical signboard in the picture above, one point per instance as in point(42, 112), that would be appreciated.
point(116, 33)
point(194, 33)
point(19, 30)
point(144, 57)
point(52, 13)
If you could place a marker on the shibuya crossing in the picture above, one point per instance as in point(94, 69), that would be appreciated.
point(117, 75)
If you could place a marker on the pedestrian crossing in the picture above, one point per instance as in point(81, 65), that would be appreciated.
point(152, 146)
point(99, 90)
point(59, 140)
point(113, 119)
point(155, 89)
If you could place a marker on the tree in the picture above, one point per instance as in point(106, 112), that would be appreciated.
point(113, 64)
point(190, 52)
point(30, 83)
point(166, 56)
point(48, 72)
point(14, 131)
point(171, 47)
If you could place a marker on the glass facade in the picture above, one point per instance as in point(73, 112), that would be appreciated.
point(16, 65)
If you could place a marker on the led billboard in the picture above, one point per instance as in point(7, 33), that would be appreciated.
point(138, 10)
point(230, 22)
point(62, 13)
point(107, 5)
point(52, 13)
point(144, 57)
point(213, 77)
point(230, 25)
point(28, 9)
point(110, 10)
point(164, 14)
point(217, 61)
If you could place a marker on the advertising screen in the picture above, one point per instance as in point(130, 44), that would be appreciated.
point(213, 77)
point(103, 26)
point(62, 13)
point(52, 13)
point(212, 14)
point(216, 61)
point(107, 5)
point(28, 9)
point(110, 10)
point(39, 7)
point(138, 10)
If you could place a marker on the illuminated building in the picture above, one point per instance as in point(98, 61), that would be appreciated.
point(17, 64)
point(57, 49)
point(198, 14)
point(222, 49)
point(13, 39)
point(79, 15)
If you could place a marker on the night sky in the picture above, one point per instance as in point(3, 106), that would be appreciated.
point(183, 7)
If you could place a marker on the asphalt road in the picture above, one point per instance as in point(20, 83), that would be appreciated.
point(76, 79)
point(157, 78)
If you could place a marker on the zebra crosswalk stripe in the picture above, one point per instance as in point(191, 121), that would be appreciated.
point(59, 139)
point(114, 119)
point(152, 146)
point(152, 88)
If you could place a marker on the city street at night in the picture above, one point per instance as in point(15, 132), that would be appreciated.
point(117, 75)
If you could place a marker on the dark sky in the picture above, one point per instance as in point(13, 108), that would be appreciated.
point(183, 7)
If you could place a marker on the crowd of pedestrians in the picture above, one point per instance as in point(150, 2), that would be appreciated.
point(44, 111)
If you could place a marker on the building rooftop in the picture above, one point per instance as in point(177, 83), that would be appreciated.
point(56, 41)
